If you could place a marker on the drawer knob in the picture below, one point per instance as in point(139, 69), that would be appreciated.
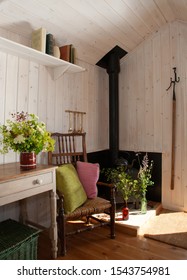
point(38, 181)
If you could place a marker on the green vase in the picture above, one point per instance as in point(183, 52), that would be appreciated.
point(143, 208)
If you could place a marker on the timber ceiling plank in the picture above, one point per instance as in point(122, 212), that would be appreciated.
point(94, 27)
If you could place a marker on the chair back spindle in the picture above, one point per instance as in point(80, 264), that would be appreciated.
point(69, 148)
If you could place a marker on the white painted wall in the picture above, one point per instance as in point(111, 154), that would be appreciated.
point(146, 106)
point(26, 85)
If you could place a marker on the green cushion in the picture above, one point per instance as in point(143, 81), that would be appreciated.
point(68, 183)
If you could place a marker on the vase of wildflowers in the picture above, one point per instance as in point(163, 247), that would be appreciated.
point(144, 179)
point(24, 133)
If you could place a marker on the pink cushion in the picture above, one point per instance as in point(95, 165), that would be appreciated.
point(88, 174)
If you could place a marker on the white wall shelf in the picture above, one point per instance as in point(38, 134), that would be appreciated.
point(58, 66)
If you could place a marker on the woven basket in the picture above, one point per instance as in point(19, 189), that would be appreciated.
point(18, 241)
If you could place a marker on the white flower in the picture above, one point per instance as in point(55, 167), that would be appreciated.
point(19, 139)
point(40, 129)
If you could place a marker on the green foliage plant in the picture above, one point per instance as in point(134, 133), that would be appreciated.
point(122, 180)
point(126, 184)
point(25, 133)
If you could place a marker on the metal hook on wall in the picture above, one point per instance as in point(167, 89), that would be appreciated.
point(176, 80)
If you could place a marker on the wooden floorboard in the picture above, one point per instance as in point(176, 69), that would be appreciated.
point(96, 245)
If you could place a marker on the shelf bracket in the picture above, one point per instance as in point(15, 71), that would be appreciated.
point(59, 71)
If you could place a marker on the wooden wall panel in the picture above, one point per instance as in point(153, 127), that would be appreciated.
point(166, 73)
point(145, 76)
point(3, 58)
point(157, 99)
point(11, 94)
point(149, 112)
point(145, 106)
point(28, 86)
point(177, 193)
point(183, 92)
point(140, 96)
point(128, 108)
point(23, 84)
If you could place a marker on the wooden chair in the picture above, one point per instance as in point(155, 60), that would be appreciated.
point(67, 151)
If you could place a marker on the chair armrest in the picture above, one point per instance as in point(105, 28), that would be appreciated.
point(102, 184)
point(110, 188)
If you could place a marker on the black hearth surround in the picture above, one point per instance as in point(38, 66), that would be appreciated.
point(154, 192)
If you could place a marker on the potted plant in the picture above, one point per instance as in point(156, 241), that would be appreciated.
point(130, 186)
point(26, 135)
point(124, 183)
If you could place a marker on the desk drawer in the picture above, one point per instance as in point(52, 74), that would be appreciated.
point(26, 183)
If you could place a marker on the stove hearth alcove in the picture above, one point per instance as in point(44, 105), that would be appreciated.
point(154, 193)
point(111, 62)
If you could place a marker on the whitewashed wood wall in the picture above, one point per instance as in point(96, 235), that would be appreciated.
point(26, 85)
point(146, 106)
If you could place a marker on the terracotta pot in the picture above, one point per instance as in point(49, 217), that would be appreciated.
point(27, 160)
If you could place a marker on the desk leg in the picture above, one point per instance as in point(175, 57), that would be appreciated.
point(53, 229)
point(23, 211)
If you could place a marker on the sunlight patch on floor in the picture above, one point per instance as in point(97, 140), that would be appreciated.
point(136, 220)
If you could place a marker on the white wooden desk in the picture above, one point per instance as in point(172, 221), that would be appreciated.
point(16, 185)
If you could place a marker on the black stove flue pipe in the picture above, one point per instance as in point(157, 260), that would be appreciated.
point(111, 62)
point(113, 70)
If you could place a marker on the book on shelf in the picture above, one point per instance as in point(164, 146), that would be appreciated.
point(72, 57)
point(38, 41)
point(67, 53)
point(49, 44)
